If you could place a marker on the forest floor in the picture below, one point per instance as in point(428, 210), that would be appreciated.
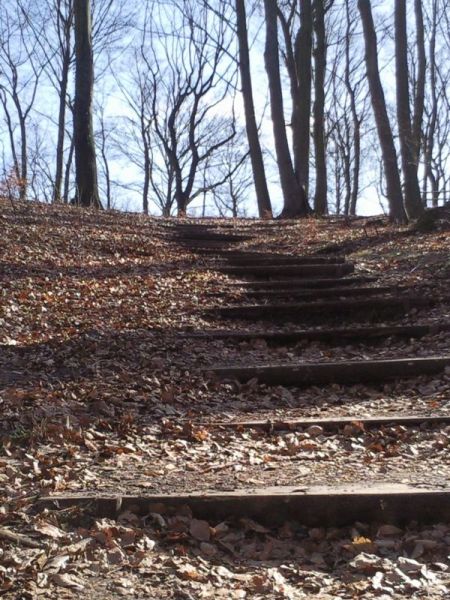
point(99, 393)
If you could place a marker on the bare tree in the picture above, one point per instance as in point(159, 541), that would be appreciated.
point(233, 167)
point(259, 175)
point(298, 60)
point(21, 69)
point(57, 48)
point(413, 204)
point(419, 96)
point(320, 7)
point(295, 201)
point(389, 153)
point(181, 98)
point(85, 155)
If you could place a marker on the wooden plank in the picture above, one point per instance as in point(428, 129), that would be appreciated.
point(199, 245)
point(334, 292)
point(301, 283)
point(262, 271)
point(337, 335)
point(327, 423)
point(210, 237)
point(351, 308)
point(344, 372)
point(282, 260)
point(313, 506)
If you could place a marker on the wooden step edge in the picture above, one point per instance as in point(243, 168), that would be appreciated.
point(368, 303)
point(344, 268)
point(314, 292)
point(341, 372)
point(321, 334)
point(277, 261)
point(327, 423)
point(313, 506)
point(200, 238)
point(301, 283)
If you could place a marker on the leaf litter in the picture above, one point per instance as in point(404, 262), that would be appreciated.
point(96, 382)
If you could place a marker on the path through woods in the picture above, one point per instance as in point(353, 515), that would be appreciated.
point(276, 422)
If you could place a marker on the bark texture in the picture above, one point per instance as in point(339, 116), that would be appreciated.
point(256, 157)
point(85, 156)
point(294, 197)
point(389, 153)
point(302, 101)
point(320, 62)
point(413, 203)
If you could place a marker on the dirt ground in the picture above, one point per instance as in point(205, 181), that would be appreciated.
point(98, 392)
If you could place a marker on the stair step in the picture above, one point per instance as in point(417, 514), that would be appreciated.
point(323, 292)
point(301, 283)
point(336, 505)
point(263, 260)
point(210, 237)
point(334, 335)
point(343, 372)
point(301, 270)
point(351, 308)
point(327, 423)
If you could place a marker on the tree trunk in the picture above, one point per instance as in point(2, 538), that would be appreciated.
point(302, 102)
point(295, 202)
point(61, 127)
point(85, 156)
point(23, 185)
point(256, 157)
point(68, 168)
point(419, 99)
point(320, 62)
point(413, 204)
point(389, 153)
point(433, 116)
point(355, 119)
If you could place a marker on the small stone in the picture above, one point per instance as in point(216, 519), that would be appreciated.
point(208, 549)
point(387, 530)
point(315, 430)
point(408, 565)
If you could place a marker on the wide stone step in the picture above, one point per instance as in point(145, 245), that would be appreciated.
point(301, 270)
point(350, 308)
point(322, 506)
point(337, 335)
point(342, 372)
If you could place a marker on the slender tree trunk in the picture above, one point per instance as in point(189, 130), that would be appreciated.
point(104, 155)
point(147, 163)
point(419, 99)
point(295, 202)
point(413, 204)
point(256, 157)
point(23, 186)
point(388, 151)
point(61, 127)
point(12, 140)
point(85, 156)
point(301, 113)
point(320, 62)
point(355, 119)
point(68, 167)
point(146, 188)
point(431, 129)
